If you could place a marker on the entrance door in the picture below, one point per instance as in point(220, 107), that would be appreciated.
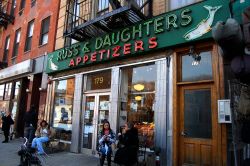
point(96, 109)
point(197, 126)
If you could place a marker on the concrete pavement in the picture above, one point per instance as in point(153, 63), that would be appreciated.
point(9, 156)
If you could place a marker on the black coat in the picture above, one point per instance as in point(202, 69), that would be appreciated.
point(6, 122)
point(30, 118)
point(127, 155)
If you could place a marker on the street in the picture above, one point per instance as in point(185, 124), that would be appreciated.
point(9, 156)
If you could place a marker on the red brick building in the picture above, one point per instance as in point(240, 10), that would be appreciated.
point(28, 32)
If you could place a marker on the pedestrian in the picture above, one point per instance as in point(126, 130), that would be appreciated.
point(42, 136)
point(106, 139)
point(30, 124)
point(129, 146)
point(7, 121)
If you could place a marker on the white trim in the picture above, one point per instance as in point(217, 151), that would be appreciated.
point(108, 68)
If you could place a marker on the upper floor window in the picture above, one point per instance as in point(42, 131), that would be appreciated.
point(175, 4)
point(45, 31)
point(16, 43)
point(29, 35)
point(103, 7)
point(22, 5)
point(33, 2)
point(6, 49)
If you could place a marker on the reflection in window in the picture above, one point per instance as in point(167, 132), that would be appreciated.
point(202, 71)
point(63, 110)
point(100, 80)
point(138, 95)
point(197, 113)
point(7, 91)
point(174, 4)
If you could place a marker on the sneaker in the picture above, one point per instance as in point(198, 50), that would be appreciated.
point(5, 141)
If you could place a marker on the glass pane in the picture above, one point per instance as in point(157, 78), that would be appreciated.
point(63, 110)
point(17, 87)
point(7, 91)
point(88, 122)
point(197, 113)
point(45, 39)
point(1, 91)
point(138, 96)
point(101, 80)
point(103, 112)
point(201, 71)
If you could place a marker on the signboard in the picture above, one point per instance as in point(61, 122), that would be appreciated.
point(176, 27)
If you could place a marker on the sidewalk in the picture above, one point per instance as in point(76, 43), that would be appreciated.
point(9, 156)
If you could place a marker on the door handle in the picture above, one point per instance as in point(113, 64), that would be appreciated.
point(183, 133)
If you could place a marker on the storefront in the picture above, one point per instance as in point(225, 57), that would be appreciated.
point(163, 74)
point(21, 86)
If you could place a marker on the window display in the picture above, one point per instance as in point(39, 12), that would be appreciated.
point(138, 97)
point(63, 109)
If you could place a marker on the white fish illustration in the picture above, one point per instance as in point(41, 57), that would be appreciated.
point(52, 65)
point(204, 26)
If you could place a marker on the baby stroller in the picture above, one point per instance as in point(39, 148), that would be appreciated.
point(28, 156)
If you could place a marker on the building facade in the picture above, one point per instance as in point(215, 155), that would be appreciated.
point(24, 45)
point(153, 63)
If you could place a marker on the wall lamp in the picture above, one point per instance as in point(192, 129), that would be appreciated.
point(196, 57)
point(42, 89)
point(27, 90)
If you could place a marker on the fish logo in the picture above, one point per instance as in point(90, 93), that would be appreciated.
point(204, 26)
point(52, 65)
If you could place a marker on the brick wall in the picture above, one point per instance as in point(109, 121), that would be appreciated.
point(41, 10)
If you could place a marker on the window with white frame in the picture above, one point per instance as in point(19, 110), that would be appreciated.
point(45, 31)
point(16, 43)
point(103, 7)
point(29, 35)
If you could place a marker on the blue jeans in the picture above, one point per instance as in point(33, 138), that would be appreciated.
point(37, 142)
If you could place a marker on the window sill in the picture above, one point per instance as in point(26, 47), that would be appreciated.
point(14, 57)
point(21, 11)
point(195, 82)
point(42, 45)
point(25, 52)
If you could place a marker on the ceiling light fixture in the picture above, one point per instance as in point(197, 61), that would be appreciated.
point(138, 87)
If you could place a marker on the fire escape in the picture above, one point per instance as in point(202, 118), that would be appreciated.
point(6, 13)
point(86, 19)
point(6, 17)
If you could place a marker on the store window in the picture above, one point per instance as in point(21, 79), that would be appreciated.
point(7, 91)
point(100, 80)
point(17, 89)
point(2, 91)
point(138, 97)
point(63, 108)
point(175, 4)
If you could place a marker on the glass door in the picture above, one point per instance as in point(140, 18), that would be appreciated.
point(96, 110)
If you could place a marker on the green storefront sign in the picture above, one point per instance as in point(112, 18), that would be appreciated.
point(180, 26)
